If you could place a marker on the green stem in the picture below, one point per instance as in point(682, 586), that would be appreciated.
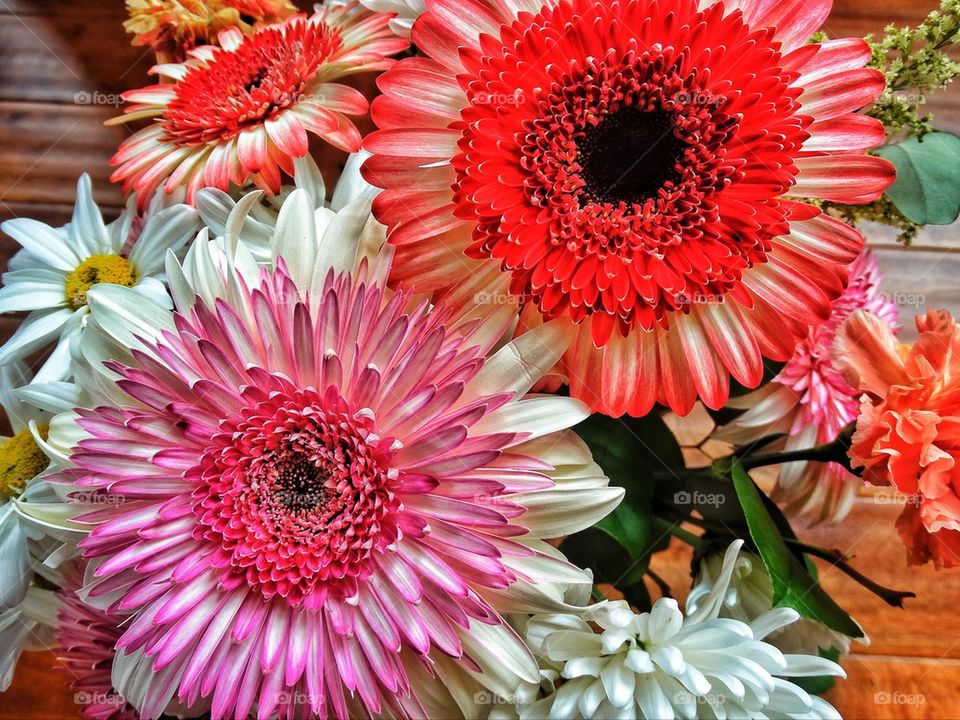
point(839, 560)
point(835, 451)
point(686, 536)
point(661, 584)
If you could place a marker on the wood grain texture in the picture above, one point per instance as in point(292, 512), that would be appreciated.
point(62, 62)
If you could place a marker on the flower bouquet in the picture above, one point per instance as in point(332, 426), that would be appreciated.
point(402, 442)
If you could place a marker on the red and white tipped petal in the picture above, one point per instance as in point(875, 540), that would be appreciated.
point(844, 178)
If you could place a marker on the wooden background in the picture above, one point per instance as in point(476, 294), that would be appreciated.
point(62, 65)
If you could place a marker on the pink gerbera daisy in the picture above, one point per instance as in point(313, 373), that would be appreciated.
point(634, 168)
point(324, 493)
point(810, 402)
point(86, 637)
point(241, 112)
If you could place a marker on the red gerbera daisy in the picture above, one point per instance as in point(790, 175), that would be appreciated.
point(241, 113)
point(636, 167)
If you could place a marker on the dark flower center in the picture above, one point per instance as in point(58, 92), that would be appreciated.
point(629, 155)
point(299, 485)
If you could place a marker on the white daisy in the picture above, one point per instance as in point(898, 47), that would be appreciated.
point(51, 275)
point(26, 626)
point(663, 665)
point(750, 595)
point(21, 461)
point(215, 205)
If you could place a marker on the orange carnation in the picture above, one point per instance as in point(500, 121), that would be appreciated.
point(908, 430)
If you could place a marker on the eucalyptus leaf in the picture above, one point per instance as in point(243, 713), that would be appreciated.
point(927, 188)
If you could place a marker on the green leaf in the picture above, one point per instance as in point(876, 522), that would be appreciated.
point(605, 555)
point(629, 525)
point(927, 189)
point(792, 584)
point(630, 451)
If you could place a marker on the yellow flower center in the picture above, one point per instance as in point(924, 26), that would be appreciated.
point(21, 460)
point(97, 269)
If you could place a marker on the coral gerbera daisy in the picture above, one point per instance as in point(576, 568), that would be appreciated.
point(171, 27)
point(810, 403)
point(322, 492)
point(241, 112)
point(634, 167)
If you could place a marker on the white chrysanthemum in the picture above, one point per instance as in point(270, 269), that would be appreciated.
point(51, 275)
point(663, 665)
point(407, 12)
point(215, 206)
point(750, 595)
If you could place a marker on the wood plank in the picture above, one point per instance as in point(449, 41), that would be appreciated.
point(889, 688)
point(917, 279)
point(39, 690)
point(47, 147)
point(61, 58)
point(927, 627)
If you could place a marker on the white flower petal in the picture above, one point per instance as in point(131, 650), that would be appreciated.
point(47, 245)
point(169, 229)
point(87, 231)
point(38, 329)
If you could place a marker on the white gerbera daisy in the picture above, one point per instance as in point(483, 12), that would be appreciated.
point(215, 205)
point(750, 595)
point(51, 275)
point(663, 665)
